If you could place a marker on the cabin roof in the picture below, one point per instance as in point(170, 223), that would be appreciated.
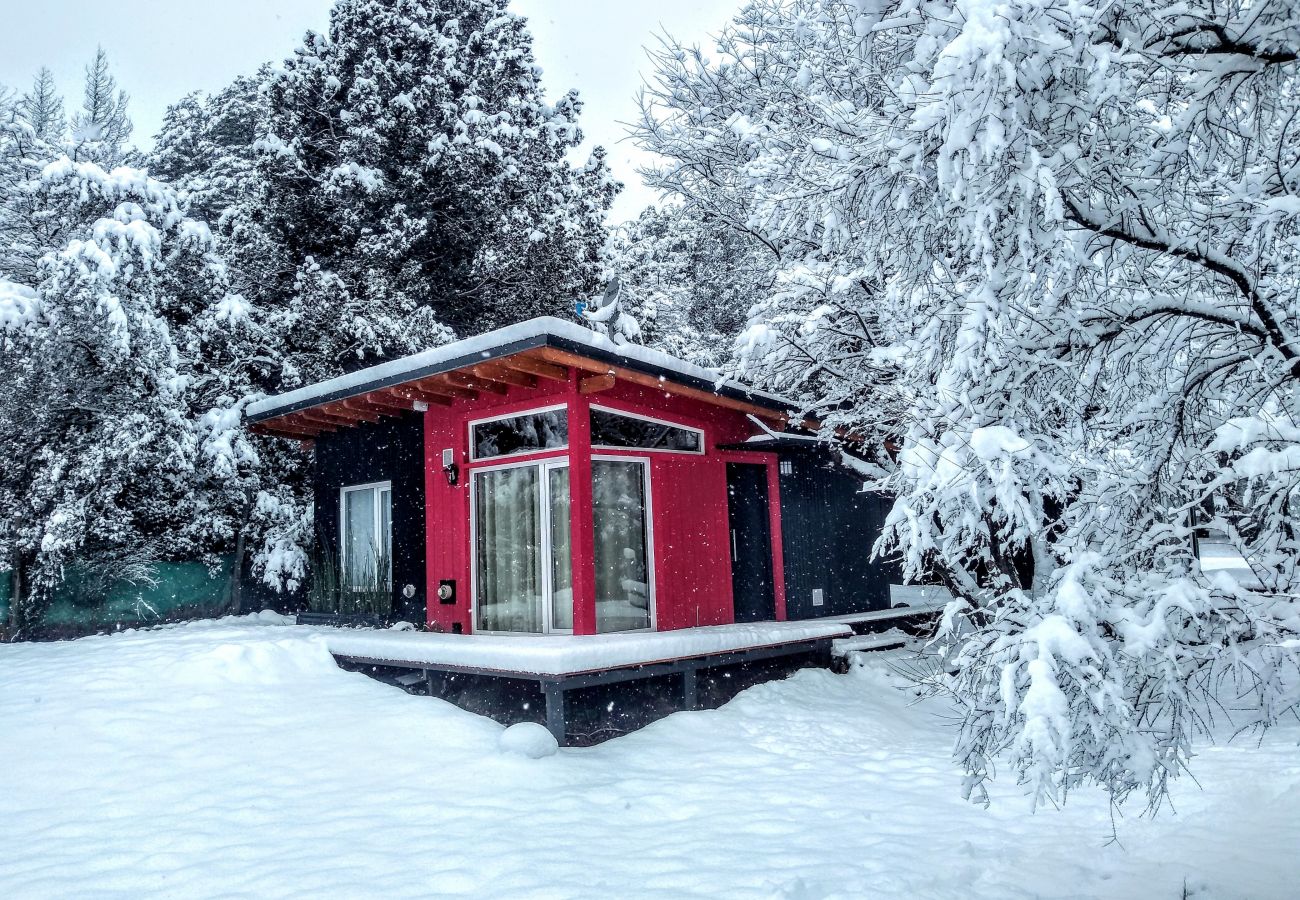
point(544, 347)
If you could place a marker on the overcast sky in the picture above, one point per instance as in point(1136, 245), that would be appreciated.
point(162, 49)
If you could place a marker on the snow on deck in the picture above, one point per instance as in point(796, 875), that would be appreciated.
point(572, 654)
point(484, 344)
point(894, 612)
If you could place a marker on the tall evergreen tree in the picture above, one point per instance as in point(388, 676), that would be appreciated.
point(101, 128)
point(42, 107)
point(98, 449)
point(412, 171)
point(207, 145)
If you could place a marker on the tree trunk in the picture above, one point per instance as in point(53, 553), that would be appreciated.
point(18, 600)
point(237, 577)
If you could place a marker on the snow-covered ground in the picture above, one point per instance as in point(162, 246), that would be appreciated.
point(234, 759)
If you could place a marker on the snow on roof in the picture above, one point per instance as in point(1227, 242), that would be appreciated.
point(570, 654)
point(542, 331)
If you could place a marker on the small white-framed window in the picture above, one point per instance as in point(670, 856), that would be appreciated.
point(615, 429)
point(530, 431)
point(366, 535)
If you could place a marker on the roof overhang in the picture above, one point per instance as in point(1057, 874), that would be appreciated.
point(495, 363)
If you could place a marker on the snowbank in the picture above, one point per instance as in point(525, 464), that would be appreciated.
point(234, 759)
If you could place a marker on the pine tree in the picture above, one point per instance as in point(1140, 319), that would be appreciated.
point(411, 159)
point(101, 128)
point(42, 107)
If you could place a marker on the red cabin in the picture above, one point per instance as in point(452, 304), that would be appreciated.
point(542, 480)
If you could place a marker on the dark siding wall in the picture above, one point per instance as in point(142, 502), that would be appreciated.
point(827, 530)
point(392, 450)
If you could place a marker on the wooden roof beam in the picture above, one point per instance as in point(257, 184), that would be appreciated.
point(473, 383)
point(300, 420)
point(351, 414)
point(530, 365)
point(315, 414)
point(594, 384)
point(409, 393)
point(493, 372)
point(438, 384)
point(383, 401)
point(361, 405)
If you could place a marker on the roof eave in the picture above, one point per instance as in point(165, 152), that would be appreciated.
point(510, 348)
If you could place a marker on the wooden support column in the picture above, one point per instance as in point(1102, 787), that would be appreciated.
point(555, 724)
point(690, 693)
point(582, 530)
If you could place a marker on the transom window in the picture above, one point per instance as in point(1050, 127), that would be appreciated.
point(542, 429)
point(610, 429)
point(366, 523)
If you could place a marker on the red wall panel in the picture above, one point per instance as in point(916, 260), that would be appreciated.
point(692, 565)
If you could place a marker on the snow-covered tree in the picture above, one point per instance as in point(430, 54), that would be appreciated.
point(412, 164)
point(689, 281)
point(607, 316)
point(42, 107)
point(207, 145)
point(1049, 252)
point(102, 126)
point(97, 446)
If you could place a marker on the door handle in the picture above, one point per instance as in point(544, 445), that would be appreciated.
point(734, 556)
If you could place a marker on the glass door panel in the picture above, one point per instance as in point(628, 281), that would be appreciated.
point(561, 586)
point(622, 545)
point(508, 551)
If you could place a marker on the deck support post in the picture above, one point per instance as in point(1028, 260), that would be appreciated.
point(690, 697)
point(554, 693)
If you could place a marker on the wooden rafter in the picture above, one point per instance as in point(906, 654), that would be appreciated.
point(473, 383)
point(522, 362)
point(298, 419)
point(383, 401)
point(346, 412)
point(438, 384)
point(503, 375)
point(406, 392)
point(362, 405)
point(594, 384)
point(316, 414)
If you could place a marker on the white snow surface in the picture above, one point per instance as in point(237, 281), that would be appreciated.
point(566, 654)
point(234, 759)
point(484, 344)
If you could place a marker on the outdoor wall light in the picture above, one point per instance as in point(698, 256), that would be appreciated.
point(449, 467)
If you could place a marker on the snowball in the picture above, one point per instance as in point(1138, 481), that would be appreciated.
point(528, 739)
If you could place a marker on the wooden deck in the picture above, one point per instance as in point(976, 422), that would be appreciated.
point(558, 665)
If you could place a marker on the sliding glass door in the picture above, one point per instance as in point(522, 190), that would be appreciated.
point(621, 512)
point(522, 563)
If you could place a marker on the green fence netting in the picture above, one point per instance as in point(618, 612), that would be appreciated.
point(180, 590)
